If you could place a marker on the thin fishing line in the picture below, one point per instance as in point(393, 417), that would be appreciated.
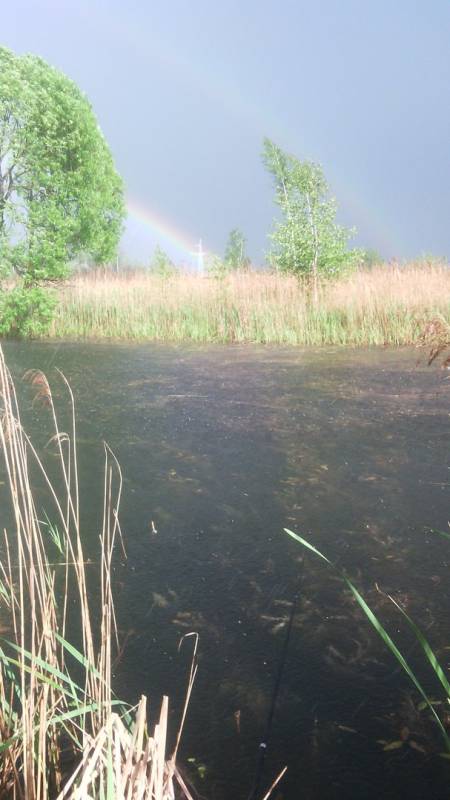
point(263, 745)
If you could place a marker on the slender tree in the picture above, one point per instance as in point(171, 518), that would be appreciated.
point(307, 240)
point(161, 265)
point(235, 251)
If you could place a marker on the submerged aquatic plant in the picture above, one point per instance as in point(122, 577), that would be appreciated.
point(427, 650)
point(435, 337)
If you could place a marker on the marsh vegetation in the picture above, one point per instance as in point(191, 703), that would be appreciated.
point(385, 305)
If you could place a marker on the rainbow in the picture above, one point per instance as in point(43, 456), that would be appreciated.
point(258, 117)
point(161, 228)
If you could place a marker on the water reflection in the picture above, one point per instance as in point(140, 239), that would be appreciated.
point(221, 448)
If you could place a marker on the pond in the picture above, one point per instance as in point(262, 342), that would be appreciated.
point(221, 449)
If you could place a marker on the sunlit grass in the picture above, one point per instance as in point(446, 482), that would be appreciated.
point(386, 305)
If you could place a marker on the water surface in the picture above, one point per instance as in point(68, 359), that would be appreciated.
point(222, 448)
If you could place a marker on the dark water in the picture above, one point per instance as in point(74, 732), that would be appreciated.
point(222, 448)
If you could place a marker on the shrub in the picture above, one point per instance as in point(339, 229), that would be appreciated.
point(26, 311)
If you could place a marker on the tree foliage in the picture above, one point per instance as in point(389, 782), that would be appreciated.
point(161, 265)
point(216, 267)
point(370, 258)
point(60, 194)
point(26, 311)
point(235, 255)
point(307, 240)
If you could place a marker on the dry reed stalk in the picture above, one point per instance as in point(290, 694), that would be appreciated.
point(42, 706)
point(134, 761)
point(275, 783)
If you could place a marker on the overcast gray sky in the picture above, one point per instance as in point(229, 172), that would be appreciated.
point(186, 90)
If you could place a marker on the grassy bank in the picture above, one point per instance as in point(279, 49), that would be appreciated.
point(386, 305)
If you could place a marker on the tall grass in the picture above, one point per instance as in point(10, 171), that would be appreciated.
point(62, 731)
point(385, 305)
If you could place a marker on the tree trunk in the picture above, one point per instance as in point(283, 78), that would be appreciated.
point(315, 261)
point(2, 201)
point(315, 281)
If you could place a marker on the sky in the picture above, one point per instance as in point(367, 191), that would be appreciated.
point(185, 91)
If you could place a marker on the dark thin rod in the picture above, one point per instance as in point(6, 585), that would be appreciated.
point(276, 688)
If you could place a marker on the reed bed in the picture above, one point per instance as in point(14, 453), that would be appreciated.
point(385, 305)
point(63, 733)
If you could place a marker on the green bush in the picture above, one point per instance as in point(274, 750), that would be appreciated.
point(26, 311)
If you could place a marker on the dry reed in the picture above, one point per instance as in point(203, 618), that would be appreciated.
point(44, 709)
point(385, 305)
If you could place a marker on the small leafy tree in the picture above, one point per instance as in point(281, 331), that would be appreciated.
point(60, 194)
point(161, 265)
point(216, 267)
point(307, 240)
point(235, 255)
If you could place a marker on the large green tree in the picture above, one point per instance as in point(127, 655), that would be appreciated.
point(306, 240)
point(60, 194)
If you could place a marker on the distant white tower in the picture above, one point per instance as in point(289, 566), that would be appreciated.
point(199, 253)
